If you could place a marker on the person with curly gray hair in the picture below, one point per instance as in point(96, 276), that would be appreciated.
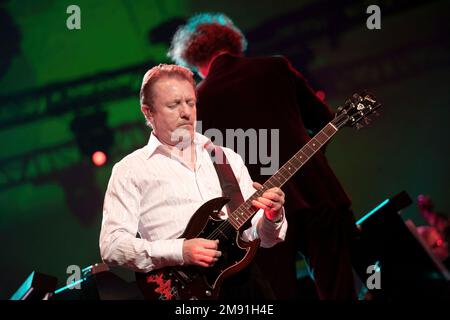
point(267, 93)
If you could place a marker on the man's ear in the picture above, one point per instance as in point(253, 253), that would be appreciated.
point(148, 114)
point(146, 111)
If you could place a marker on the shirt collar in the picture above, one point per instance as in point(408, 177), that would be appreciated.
point(154, 144)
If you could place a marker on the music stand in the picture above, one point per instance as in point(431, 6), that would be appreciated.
point(408, 270)
point(37, 286)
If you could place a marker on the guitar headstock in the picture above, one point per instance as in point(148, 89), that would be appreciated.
point(356, 111)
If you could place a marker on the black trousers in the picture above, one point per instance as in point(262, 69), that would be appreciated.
point(325, 237)
point(248, 284)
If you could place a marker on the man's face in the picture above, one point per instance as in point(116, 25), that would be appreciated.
point(174, 110)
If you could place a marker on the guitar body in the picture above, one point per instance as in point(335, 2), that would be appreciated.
point(194, 282)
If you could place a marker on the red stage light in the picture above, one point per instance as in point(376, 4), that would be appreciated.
point(321, 95)
point(99, 158)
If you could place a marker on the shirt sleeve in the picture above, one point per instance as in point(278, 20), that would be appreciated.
point(268, 232)
point(118, 242)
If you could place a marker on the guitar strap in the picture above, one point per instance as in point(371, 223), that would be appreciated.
point(228, 182)
point(251, 276)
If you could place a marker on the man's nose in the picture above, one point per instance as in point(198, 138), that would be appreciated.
point(185, 111)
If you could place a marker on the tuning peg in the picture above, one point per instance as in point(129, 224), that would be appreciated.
point(357, 97)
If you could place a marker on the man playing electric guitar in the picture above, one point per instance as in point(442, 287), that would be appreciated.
point(155, 191)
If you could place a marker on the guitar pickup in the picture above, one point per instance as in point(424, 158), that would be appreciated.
point(182, 276)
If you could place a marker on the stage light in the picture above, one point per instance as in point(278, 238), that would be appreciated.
point(94, 138)
point(99, 158)
point(321, 95)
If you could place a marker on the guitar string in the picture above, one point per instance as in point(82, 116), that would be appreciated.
point(223, 227)
point(268, 184)
point(228, 226)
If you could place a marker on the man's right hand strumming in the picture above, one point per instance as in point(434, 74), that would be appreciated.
point(201, 252)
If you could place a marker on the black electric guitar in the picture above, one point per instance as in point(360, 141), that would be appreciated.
point(194, 282)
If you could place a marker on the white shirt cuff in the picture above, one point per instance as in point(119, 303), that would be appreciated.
point(167, 252)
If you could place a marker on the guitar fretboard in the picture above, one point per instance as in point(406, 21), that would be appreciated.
point(246, 211)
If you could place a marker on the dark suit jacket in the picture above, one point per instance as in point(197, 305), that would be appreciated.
point(268, 93)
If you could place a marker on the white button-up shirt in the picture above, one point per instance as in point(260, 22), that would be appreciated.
point(155, 194)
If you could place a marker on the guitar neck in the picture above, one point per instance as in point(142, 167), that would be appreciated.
point(246, 211)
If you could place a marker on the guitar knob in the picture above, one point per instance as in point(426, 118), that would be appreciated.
point(208, 293)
